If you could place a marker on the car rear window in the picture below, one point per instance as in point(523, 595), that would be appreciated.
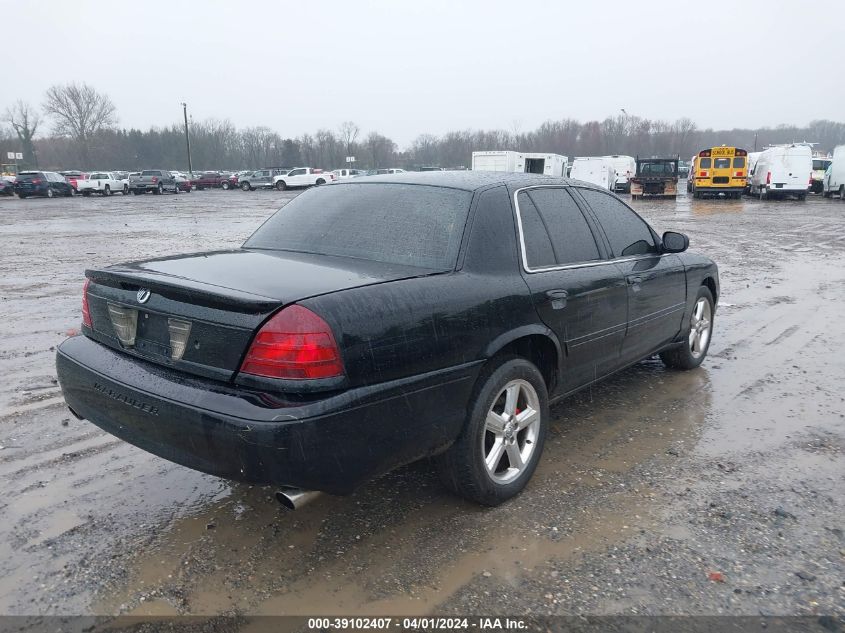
point(29, 177)
point(150, 172)
point(414, 225)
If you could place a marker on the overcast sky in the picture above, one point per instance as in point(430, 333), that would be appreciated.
point(404, 68)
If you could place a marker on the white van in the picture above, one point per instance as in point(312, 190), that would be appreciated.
point(834, 177)
point(625, 167)
point(520, 162)
point(782, 171)
point(752, 163)
point(595, 169)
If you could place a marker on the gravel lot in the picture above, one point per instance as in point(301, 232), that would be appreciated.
point(716, 491)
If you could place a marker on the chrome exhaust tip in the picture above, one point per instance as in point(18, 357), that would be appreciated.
point(294, 498)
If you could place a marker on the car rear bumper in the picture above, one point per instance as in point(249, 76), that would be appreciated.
point(331, 444)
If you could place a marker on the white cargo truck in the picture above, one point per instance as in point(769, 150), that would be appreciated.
point(834, 177)
point(520, 162)
point(595, 169)
point(782, 171)
point(626, 167)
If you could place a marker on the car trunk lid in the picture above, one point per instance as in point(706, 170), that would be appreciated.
point(199, 312)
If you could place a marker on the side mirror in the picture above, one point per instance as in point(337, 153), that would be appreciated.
point(675, 242)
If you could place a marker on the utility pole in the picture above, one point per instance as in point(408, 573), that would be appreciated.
point(187, 139)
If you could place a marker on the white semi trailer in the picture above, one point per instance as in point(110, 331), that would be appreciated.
point(520, 162)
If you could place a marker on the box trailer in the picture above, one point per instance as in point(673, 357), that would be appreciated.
point(520, 162)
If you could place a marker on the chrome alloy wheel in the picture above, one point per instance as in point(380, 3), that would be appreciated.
point(510, 432)
point(700, 324)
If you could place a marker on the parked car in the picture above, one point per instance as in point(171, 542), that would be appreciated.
point(42, 183)
point(834, 177)
point(210, 180)
point(183, 182)
point(369, 324)
point(820, 165)
point(343, 174)
point(625, 168)
point(231, 181)
point(155, 180)
point(7, 186)
point(259, 179)
point(73, 177)
point(783, 171)
point(388, 170)
point(302, 177)
point(596, 170)
point(103, 182)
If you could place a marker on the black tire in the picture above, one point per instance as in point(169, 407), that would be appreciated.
point(136, 192)
point(320, 181)
point(50, 192)
point(224, 186)
point(245, 186)
point(85, 194)
point(684, 356)
point(764, 193)
point(107, 191)
point(802, 197)
point(125, 190)
point(281, 185)
point(22, 196)
point(842, 192)
point(462, 467)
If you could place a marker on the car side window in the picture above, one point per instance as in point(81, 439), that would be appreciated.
point(627, 233)
point(538, 246)
point(571, 237)
point(297, 172)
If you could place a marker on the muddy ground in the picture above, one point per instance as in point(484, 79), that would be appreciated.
point(716, 491)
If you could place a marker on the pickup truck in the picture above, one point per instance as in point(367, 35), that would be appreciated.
point(103, 182)
point(259, 179)
point(302, 177)
point(210, 180)
point(155, 180)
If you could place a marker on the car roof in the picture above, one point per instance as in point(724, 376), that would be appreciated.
point(467, 180)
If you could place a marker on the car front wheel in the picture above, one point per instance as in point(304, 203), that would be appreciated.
point(692, 352)
point(501, 443)
point(281, 185)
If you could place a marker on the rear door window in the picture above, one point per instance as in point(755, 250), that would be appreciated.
point(627, 232)
point(571, 238)
point(537, 244)
point(722, 163)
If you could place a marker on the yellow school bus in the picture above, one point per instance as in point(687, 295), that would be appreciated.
point(719, 170)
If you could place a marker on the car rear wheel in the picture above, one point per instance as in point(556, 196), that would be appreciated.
point(842, 192)
point(692, 353)
point(281, 185)
point(50, 192)
point(125, 190)
point(224, 186)
point(320, 181)
point(107, 191)
point(500, 445)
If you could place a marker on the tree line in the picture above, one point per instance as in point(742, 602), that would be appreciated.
point(77, 127)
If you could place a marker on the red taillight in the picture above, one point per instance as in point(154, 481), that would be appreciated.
point(86, 311)
point(702, 174)
point(295, 344)
point(768, 177)
point(36, 181)
point(155, 179)
point(738, 174)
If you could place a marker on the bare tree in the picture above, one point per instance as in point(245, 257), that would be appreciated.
point(348, 133)
point(79, 112)
point(24, 120)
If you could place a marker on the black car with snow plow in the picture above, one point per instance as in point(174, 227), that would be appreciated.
point(376, 321)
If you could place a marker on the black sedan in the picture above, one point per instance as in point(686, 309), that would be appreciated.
point(373, 322)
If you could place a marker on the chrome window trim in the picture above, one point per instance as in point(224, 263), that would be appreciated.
point(587, 264)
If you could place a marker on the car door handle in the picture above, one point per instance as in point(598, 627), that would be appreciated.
point(558, 298)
